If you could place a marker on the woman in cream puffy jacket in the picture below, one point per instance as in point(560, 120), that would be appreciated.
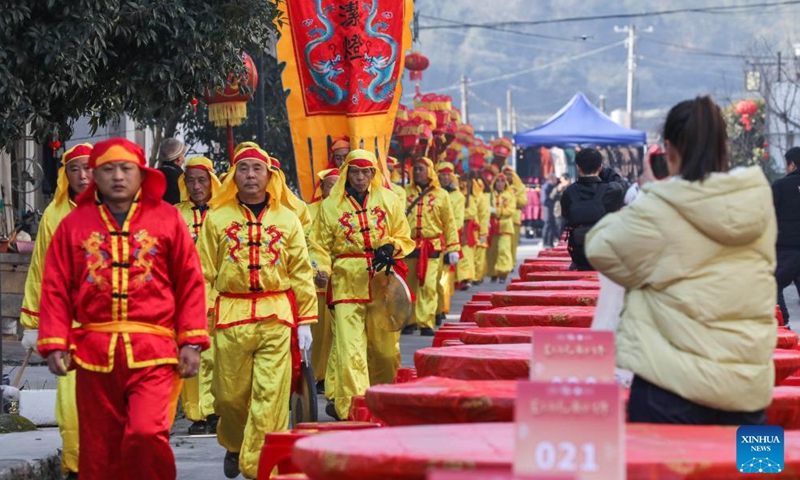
point(696, 255)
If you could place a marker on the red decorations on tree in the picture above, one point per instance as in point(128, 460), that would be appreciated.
point(55, 145)
point(746, 108)
point(228, 106)
point(194, 103)
point(416, 63)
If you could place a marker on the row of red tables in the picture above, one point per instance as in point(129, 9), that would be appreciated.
point(470, 376)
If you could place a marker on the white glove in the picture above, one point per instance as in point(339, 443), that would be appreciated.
point(29, 338)
point(304, 337)
point(452, 258)
point(492, 210)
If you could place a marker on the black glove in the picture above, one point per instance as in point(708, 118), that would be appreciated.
point(384, 258)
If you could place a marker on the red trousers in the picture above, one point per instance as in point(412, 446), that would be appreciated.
point(125, 419)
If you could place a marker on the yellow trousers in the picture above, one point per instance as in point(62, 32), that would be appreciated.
point(67, 420)
point(197, 398)
point(480, 263)
point(427, 294)
point(322, 333)
point(465, 270)
point(445, 289)
point(371, 355)
point(501, 247)
point(515, 245)
point(491, 257)
point(252, 384)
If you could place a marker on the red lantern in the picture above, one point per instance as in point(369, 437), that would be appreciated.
point(746, 108)
point(228, 106)
point(193, 102)
point(416, 63)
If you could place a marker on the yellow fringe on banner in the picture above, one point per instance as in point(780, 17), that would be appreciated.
point(225, 113)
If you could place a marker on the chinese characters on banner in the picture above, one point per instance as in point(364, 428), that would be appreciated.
point(344, 61)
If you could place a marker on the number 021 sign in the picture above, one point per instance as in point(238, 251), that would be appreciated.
point(575, 429)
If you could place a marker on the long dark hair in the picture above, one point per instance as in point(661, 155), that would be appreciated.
point(697, 130)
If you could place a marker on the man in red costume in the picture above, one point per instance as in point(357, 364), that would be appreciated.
point(123, 266)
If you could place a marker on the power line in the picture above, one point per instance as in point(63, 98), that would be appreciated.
point(456, 24)
point(693, 50)
point(730, 9)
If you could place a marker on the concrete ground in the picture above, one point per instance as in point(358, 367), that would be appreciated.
point(201, 458)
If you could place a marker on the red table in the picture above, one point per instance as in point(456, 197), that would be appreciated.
point(571, 298)
point(570, 285)
point(669, 452)
point(536, 316)
point(470, 308)
point(787, 339)
point(559, 276)
point(548, 259)
point(483, 296)
point(554, 253)
point(786, 363)
point(554, 266)
point(498, 335)
point(475, 362)
point(436, 400)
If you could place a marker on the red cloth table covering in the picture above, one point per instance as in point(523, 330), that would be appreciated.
point(435, 400)
point(558, 276)
point(458, 325)
point(787, 339)
point(561, 253)
point(555, 266)
point(531, 316)
point(786, 363)
point(571, 298)
point(785, 408)
point(470, 308)
point(482, 297)
point(672, 452)
point(475, 362)
point(443, 334)
point(498, 335)
point(548, 259)
point(571, 285)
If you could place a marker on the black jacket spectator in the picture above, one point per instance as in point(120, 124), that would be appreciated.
point(584, 203)
point(786, 197)
point(172, 172)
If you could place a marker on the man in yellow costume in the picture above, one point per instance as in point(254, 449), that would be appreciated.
point(434, 232)
point(360, 228)
point(484, 199)
point(470, 235)
point(197, 185)
point(521, 196)
point(73, 178)
point(501, 231)
point(447, 277)
point(323, 329)
point(253, 252)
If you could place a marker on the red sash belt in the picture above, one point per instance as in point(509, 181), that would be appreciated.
point(494, 229)
point(425, 248)
point(473, 232)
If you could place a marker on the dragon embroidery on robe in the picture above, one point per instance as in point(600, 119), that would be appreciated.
point(96, 259)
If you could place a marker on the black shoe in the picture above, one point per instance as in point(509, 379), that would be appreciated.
point(426, 332)
point(477, 282)
point(330, 409)
point(494, 280)
point(408, 329)
point(198, 428)
point(440, 318)
point(211, 424)
point(230, 466)
point(321, 387)
point(72, 476)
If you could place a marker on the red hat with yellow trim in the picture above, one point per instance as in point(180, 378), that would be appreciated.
point(501, 147)
point(122, 150)
point(445, 167)
point(328, 173)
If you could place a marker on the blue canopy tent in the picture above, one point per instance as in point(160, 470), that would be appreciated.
point(580, 123)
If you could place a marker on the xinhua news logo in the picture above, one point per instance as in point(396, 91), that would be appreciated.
point(759, 449)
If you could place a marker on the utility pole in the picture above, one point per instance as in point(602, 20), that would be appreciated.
point(631, 31)
point(603, 103)
point(508, 110)
point(499, 122)
point(464, 111)
point(513, 121)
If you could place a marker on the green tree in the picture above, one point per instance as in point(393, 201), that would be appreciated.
point(60, 60)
